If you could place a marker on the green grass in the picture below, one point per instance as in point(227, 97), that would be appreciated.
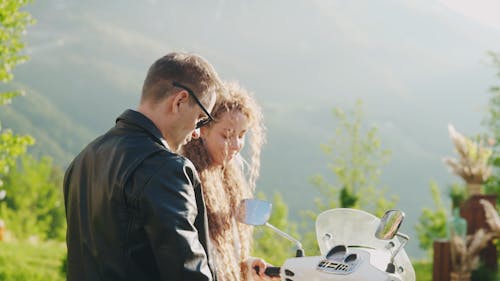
point(22, 261)
point(423, 270)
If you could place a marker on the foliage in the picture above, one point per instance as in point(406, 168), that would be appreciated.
point(64, 265)
point(484, 273)
point(33, 205)
point(12, 26)
point(13, 23)
point(268, 244)
point(423, 270)
point(493, 118)
point(356, 156)
point(6, 97)
point(492, 186)
point(11, 147)
point(457, 193)
point(432, 222)
point(20, 261)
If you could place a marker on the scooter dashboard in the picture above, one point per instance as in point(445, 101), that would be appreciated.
point(339, 261)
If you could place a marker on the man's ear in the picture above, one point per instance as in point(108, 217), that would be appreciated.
point(203, 130)
point(177, 100)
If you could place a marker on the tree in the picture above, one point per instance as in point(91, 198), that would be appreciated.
point(13, 23)
point(492, 120)
point(268, 244)
point(356, 156)
point(36, 208)
point(432, 223)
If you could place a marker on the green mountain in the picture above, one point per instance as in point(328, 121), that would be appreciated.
point(416, 69)
point(55, 133)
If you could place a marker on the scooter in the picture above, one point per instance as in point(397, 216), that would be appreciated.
point(354, 245)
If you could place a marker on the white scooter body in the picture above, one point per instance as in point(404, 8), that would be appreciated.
point(350, 249)
point(305, 269)
point(365, 257)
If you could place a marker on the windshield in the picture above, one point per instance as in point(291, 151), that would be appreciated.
point(351, 227)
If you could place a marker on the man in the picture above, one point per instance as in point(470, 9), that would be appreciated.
point(133, 206)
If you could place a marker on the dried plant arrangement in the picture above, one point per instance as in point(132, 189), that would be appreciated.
point(492, 217)
point(465, 254)
point(472, 163)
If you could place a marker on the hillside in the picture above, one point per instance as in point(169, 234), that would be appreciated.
point(416, 69)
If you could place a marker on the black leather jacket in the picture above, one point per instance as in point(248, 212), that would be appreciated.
point(135, 210)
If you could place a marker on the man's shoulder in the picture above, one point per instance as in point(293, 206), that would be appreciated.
point(167, 171)
point(170, 160)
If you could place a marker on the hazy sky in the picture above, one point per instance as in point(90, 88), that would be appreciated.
point(482, 11)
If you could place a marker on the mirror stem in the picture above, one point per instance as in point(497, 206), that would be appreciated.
point(403, 240)
point(300, 251)
point(391, 268)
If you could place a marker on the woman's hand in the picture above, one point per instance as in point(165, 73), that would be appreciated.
point(258, 267)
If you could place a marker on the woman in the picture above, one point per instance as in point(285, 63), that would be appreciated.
point(227, 178)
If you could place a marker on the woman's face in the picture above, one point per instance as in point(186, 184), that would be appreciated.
point(225, 138)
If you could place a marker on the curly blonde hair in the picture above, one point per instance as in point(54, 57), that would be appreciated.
point(225, 186)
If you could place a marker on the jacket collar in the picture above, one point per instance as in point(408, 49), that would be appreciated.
point(140, 120)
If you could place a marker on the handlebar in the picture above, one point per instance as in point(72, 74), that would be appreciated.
point(271, 271)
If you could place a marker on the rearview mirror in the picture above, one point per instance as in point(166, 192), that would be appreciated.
point(254, 211)
point(389, 224)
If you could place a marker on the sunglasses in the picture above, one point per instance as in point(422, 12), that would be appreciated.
point(204, 121)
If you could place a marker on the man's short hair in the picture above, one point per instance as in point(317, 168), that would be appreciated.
point(190, 70)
